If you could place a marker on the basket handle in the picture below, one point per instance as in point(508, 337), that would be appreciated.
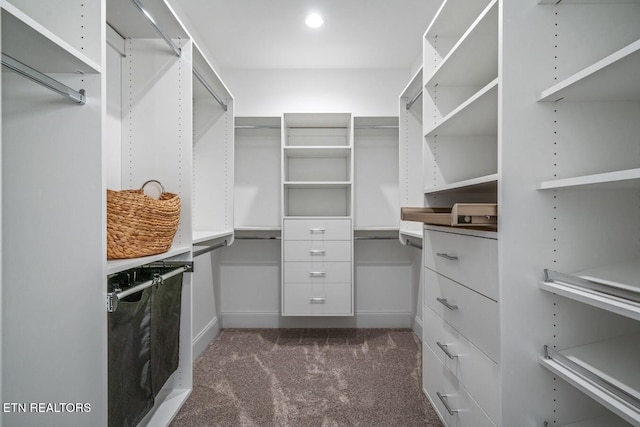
point(157, 182)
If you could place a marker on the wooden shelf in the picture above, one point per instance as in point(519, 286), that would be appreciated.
point(476, 116)
point(613, 78)
point(27, 41)
point(460, 215)
point(476, 50)
point(613, 361)
point(629, 178)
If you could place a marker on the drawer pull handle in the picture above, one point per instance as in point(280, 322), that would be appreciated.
point(444, 348)
point(445, 402)
point(444, 302)
point(317, 300)
point(317, 274)
point(317, 230)
point(447, 256)
point(317, 252)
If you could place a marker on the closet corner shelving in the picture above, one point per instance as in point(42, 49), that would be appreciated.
point(213, 154)
point(258, 183)
point(411, 192)
point(570, 108)
point(317, 214)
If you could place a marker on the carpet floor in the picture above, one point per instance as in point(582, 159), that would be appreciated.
point(309, 377)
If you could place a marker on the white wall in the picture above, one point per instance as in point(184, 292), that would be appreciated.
point(271, 92)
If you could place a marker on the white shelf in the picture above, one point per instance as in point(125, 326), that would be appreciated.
point(338, 151)
point(605, 420)
point(554, 2)
point(129, 21)
point(29, 42)
point(317, 184)
point(486, 183)
point(476, 116)
point(117, 265)
point(454, 17)
point(410, 91)
point(206, 235)
point(415, 234)
point(615, 361)
point(616, 279)
point(629, 178)
point(614, 78)
point(476, 50)
point(166, 408)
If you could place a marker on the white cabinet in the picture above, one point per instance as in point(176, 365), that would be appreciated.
point(460, 336)
point(317, 200)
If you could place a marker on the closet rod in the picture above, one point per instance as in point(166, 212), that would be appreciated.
point(258, 127)
point(114, 297)
point(375, 238)
point(208, 88)
point(258, 238)
point(36, 76)
point(176, 50)
point(415, 245)
point(413, 100)
point(209, 249)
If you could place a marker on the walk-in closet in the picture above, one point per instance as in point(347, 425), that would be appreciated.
point(418, 212)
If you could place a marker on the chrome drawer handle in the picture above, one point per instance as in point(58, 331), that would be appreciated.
point(317, 230)
point(444, 302)
point(447, 256)
point(443, 347)
point(445, 402)
point(317, 274)
point(317, 252)
point(317, 300)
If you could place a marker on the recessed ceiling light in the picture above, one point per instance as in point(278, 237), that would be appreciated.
point(314, 20)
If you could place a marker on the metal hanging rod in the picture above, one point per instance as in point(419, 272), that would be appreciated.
point(258, 127)
point(258, 238)
point(176, 50)
point(415, 245)
point(208, 88)
point(209, 249)
point(36, 76)
point(413, 100)
point(114, 297)
point(375, 238)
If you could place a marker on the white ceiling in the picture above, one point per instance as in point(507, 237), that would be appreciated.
point(272, 33)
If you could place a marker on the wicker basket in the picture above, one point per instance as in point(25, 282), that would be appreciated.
point(139, 225)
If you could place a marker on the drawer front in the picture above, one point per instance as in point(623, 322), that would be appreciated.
point(317, 272)
point(317, 229)
point(306, 299)
point(437, 379)
point(472, 368)
point(317, 251)
point(470, 260)
point(473, 315)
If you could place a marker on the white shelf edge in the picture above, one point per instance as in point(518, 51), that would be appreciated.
point(118, 265)
point(463, 184)
point(200, 236)
point(601, 178)
point(318, 184)
point(593, 298)
point(608, 420)
point(257, 228)
point(414, 85)
point(462, 39)
point(166, 410)
point(462, 107)
point(593, 390)
point(554, 93)
point(35, 26)
point(416, 234)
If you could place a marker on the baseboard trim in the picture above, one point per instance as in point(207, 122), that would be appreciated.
point(416, 325)
point(204, 338)
point(275, 320)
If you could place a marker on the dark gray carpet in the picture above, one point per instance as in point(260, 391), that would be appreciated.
point(309, 377)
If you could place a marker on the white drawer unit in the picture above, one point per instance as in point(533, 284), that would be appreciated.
point(472, 314)
point(317, 299)
point(317, 229)
point(450, 399)
point(469, 260)
point(467, 363)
